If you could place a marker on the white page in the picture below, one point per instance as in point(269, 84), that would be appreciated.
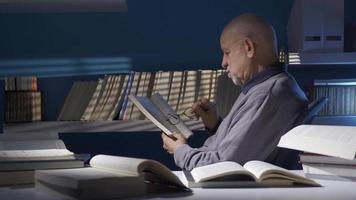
point(268, 172)
point(9, 155)
point(209, 172)
point(338, 141)
point(258, 168)
point(123, 165)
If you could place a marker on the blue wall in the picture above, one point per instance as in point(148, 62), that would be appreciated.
point(63, 35)
point(186, 33)
point(156, 34)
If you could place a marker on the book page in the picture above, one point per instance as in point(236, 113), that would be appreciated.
point(39, 154)
point(338, 141)
point(153, 113)
point(135, 167)
point(168, 111)
point(219, 170)
point(117, 164)
point(267, 172)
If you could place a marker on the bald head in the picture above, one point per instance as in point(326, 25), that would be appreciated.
point(258, 30)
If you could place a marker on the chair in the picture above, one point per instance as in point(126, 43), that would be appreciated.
point(289, 158)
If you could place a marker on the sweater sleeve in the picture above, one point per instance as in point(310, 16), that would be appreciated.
point(252, 133)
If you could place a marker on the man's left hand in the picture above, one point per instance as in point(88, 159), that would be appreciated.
point(172, 144)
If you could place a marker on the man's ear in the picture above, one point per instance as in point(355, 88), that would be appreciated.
point(250, 47)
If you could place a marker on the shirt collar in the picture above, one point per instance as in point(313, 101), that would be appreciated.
point(262, 76)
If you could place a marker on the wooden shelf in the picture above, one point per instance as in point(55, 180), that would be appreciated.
point(89, 126)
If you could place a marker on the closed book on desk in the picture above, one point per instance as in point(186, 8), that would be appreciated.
point(253, 174)
point(327, 167)
point(108, 177)
point(20, 156)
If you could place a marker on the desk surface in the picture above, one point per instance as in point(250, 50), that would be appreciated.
point(340, 190)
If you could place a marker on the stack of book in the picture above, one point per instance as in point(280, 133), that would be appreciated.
point(22, 154)
point(329, 151)
point(328, 167)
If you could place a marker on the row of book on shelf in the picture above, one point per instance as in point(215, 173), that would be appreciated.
point(21, 83)
point(107, 98)
point(341, 94)
point(23, 100)
point(47, 163)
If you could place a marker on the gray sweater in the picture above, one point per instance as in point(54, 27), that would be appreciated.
point(263, 112)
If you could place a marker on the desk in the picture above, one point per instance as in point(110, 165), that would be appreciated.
point(335, 190)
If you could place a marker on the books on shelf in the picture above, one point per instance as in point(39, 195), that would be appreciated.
point(107, 98)
point(330, 151)
point(21, 83)
point(161, 114)
point(133, 90)
point(340, 92)
point(23, 102)
point(23, 106)
point(251, 174)
point(95, 100)
point(107, 177)
point(21, 154)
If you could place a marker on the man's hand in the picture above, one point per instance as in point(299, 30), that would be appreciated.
point(207, 111)
point(171, 144)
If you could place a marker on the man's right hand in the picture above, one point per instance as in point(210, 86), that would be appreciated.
point(207, 111)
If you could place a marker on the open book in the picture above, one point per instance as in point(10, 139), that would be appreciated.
point(336, 141)
point(108, 177)
point(252, 174)
point(117, 177)
point(161, 114)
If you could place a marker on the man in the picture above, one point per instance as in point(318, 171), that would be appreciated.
point(269, 105)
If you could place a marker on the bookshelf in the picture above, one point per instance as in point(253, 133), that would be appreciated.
point(305, 74)
point(201, 83)
point(54, 68)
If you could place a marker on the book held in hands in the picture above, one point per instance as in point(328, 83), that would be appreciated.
point(161, 114)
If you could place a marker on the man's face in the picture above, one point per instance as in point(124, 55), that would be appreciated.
point(235, 60)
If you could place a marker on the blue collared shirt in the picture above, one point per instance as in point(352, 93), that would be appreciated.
point(262, 76)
